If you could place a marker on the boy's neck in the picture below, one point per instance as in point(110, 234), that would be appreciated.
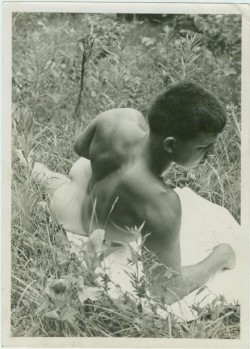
point(155, 156)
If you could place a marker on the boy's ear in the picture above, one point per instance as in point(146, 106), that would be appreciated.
point(169, 144)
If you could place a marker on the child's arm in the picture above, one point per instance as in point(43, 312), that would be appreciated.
point(194, 276)
point(169, 278)
point(83, 141)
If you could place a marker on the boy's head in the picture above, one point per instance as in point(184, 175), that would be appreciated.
point(186, 110)
point(188, 119)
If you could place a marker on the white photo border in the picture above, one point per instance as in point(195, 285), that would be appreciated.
point(108, 7)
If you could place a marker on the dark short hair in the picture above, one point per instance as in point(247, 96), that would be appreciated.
point(185, 110)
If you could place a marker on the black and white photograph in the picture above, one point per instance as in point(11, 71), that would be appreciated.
point(127, 172)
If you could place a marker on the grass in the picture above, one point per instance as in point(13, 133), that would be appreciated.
point(124, 69)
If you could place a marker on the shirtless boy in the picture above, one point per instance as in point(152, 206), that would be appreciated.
point(129, 157)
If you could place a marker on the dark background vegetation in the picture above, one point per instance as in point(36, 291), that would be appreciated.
point(129, 59)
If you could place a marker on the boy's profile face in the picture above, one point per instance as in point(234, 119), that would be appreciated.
point(194, 152)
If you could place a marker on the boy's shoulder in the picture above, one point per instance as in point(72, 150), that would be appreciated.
point(156, 195)
point(153, 202)
point(121, 115)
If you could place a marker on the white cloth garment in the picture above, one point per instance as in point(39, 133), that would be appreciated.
point(204, 225)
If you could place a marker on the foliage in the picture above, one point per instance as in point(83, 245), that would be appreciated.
point(128, 65)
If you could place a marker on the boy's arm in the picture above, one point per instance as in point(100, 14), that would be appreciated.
point(194, 276)
point(170, 279)
point(83, 141)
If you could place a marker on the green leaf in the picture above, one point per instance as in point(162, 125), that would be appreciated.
point(55, 287)
point(229, 71)
point(61, 238)
point(154, 266)
point(148, 41)
point(68, 314)
point(40, 244)
point(52, 315)
point(28, 123)
point(92, 293)
point(59, 286)
point(95, 241)
point(120, 303)
point(44, 306)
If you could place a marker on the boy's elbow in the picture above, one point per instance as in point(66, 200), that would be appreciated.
point(80, 150)
point(76, 148)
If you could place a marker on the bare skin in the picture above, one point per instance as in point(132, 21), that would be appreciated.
point(127, 190)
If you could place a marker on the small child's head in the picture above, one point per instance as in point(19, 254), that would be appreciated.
point(186, 110)
point(187, 119)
